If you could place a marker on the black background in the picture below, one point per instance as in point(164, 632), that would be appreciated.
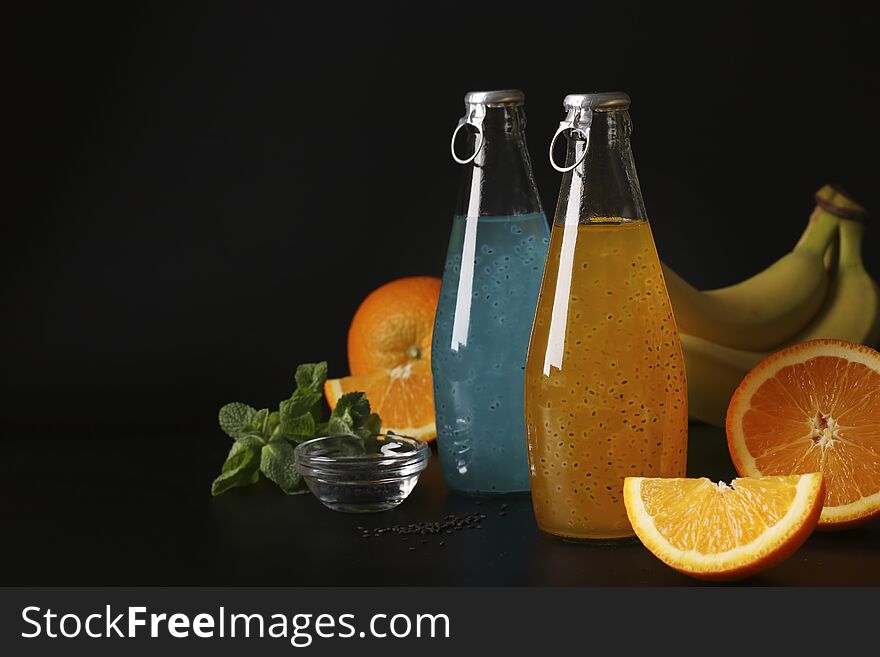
point(211, 189)
point(203, 193)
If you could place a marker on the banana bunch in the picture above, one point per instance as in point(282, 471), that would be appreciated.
point(819, 290)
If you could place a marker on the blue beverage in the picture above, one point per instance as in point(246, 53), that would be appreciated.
point(484, 318)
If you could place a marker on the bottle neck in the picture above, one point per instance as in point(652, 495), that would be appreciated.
point(604, 185)
point(499, 180)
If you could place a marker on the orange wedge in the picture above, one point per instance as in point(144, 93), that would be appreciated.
point(403, 397)
point(814, 407)
point(720, 532)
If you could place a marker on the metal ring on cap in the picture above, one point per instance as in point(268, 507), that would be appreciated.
point(461, 123)
point(578, 119)
point(562, 128)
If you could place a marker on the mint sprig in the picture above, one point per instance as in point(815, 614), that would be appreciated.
point(242, 466)
point(264, 441)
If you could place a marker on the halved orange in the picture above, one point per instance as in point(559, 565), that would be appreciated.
point(403, 397)
point(389, 354)
point(720, 532)
point(814, 407)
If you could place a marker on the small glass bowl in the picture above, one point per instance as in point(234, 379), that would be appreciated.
point(345, 477)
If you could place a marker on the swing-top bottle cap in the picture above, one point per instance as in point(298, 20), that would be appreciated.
point(475, 103)
point(497, 98)
point(579, 109)
point(607, 101)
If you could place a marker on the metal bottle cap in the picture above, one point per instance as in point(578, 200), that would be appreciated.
point(579, 110)
point(475, 103)
point(607, 101)
point(497, 98)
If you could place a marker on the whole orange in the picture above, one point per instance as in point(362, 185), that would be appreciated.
point(393, 325)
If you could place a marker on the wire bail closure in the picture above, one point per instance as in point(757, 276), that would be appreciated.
point(577, 121)
point(474, 118)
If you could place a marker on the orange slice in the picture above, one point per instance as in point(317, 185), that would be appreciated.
point(720, 532)
point(402, 396)
point(814, 407)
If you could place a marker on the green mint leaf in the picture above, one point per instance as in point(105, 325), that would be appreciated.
point(339, 426)
point(258, 422)
point(311, 376)
point(247, 441)
point(299, 427)
point(242, 466)
point(355, 403)
point(302, 401)
point(272, 423)
point(255, 438)
point(371, 425)
point(352, 416)
point(295, 414)
point(351, 411)
point(278, 463)
point(317, 410)
point(235, 418)
point(367, 431)
point(311, 400)
point(310, 380)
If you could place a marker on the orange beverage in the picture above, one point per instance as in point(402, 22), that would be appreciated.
point(605, 389)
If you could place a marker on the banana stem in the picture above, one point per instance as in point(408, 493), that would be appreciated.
point(842, 199)
point(826, 193)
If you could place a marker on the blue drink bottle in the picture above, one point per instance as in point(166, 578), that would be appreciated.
point(487, 301)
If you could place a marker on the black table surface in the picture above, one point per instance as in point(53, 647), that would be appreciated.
point(135, 513)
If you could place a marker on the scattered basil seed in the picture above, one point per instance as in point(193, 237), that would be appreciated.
point(449, 524)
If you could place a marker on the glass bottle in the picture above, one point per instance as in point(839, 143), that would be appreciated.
point(487, 301)
point(605, 392)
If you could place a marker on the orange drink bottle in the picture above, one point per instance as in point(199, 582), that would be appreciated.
point(605, 389)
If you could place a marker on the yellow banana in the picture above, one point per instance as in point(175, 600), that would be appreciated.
point(851, 312)
point(713, 375)
point(766, 309)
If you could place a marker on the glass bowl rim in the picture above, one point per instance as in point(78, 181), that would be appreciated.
point(420, 452)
